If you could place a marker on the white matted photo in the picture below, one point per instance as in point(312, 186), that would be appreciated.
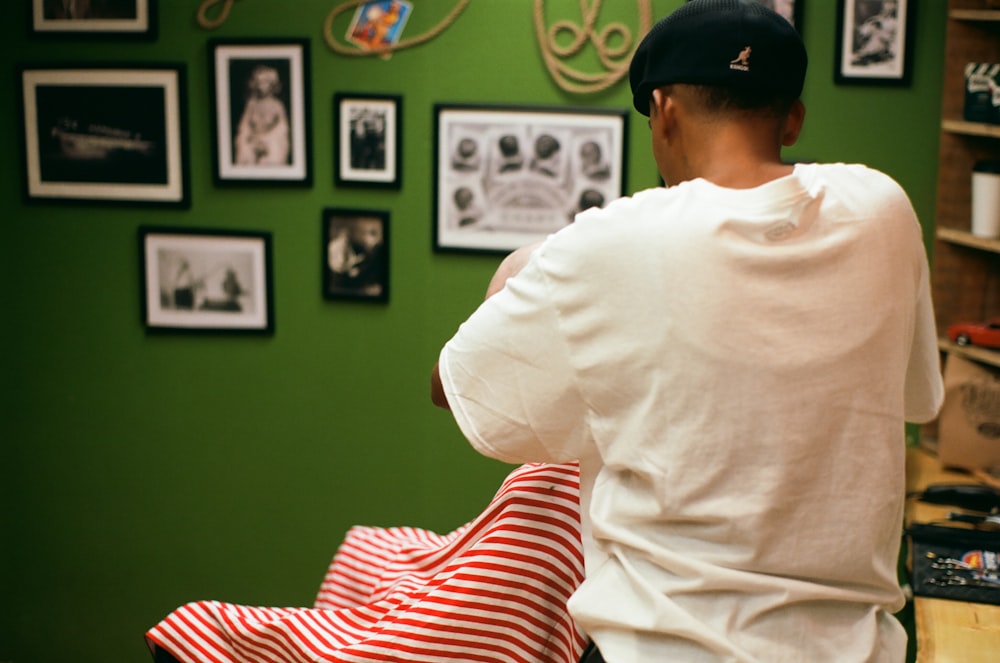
point(206, 280)
point(509, 176)
point(368, 131)
point(106, 134)
point(874, 42)
point(260, 102)
point(99, 18)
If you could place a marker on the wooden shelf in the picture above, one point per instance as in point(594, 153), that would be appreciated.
point(975, 14)
point(965, 284)
point(964, 128)
point(965, 275)
point(965, 238)
point(982, 355)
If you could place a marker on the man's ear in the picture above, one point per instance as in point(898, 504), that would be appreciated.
point(662, 107)
point(657, 101)
point(793, 123)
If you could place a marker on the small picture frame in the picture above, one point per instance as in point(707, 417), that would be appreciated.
point(507, 176)
point(200, 280)
point(355, 254)
point(874, 42)
point(104, 19)
point(368, 140)
point(791, 10)
point(260, 102)
point(105, 134)
point(378, 24)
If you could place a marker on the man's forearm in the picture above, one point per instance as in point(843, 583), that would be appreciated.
point(509, 267)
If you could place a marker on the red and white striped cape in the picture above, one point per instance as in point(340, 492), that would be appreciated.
point(494, 590)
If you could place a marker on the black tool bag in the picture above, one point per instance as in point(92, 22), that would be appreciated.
point(955, 563)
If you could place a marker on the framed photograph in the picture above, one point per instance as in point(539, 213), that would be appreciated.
point(507, 176)
point(206, 280)
point(790, 9)
point(260, 101)
point(874, 43)
point(355, 254)
point(368, 140)
point(105, 134)
point(94, 18)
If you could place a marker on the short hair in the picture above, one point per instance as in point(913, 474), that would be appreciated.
point(724, 100)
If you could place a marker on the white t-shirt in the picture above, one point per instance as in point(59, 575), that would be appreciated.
point(733, 369)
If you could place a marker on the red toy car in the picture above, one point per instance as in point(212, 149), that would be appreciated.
point(984, 334)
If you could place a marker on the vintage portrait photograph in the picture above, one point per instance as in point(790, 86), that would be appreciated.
point(206, 280)
point(355, 254)
point(873, 42)
point(261, 106)
point(108, 134)
point(508, 176)
point(368, 140)
point(135, 18)
point(378, 24)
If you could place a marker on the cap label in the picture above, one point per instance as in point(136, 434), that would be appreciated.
point(742, 61)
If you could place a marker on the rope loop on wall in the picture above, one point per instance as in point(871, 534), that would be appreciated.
point(223, 13)
point(614, 59)
point(342, 49)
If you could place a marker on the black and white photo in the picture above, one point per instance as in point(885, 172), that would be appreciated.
point(355, 254)
point(508, 176)
point(206, 280)
point(874, 42)
point(368, 131)
point(94, 18)
point(105, 134)
point(260, 97)
point(789, 9)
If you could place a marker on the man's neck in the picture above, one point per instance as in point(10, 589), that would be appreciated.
point(737, 157)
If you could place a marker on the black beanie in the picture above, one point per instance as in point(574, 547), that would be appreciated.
point(728, 43)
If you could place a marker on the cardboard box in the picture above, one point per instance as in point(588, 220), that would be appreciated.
point(969, 424)
point(982, 92)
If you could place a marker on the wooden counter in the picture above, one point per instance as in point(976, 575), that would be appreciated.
point(947, 631)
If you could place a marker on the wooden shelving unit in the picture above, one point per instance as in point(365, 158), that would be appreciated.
point(966, 268)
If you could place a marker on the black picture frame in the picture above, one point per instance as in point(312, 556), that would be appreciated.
point(108, 134)
point(206, 280)
point(368, 140)
point(792, 10)
point(507, 176)
point(874, 42)
point(355, 257)
point(111, 19)
point(254, 78)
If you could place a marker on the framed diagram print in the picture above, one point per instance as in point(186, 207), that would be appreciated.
point(507, 176)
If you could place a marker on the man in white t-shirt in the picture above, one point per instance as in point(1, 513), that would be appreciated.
point(731, 359)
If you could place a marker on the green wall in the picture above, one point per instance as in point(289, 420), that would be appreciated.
point(139, 472)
